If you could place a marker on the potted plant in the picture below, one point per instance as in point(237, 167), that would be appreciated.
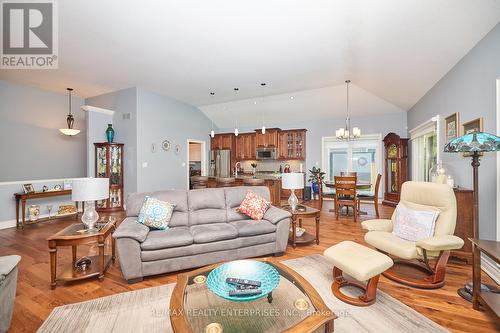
point(316, 178)
point(254, 168)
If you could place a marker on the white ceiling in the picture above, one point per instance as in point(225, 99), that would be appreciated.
point(395, 49)
point(313, 104)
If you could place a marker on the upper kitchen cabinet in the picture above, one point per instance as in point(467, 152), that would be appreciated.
point(292, 144)
point(269, 139)
point(222, 141)
point(245, 146)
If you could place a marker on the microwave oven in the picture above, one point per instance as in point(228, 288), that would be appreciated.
point(265, 153)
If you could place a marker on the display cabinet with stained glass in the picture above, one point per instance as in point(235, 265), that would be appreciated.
point(396, 167)
point(109, 164)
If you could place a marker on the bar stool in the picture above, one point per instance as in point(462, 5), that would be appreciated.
point(253, 181)
point(199, 182)
point(225, 182)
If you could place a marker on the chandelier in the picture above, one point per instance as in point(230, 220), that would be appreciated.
point(345, 133)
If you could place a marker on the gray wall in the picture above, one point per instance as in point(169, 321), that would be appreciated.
point(32, 146)
point(163, 118)
point(97, 123)
point(379, 124)
point(123, 102)
point(469, 88)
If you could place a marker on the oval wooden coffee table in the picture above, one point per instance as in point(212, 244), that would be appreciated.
point(296, 306)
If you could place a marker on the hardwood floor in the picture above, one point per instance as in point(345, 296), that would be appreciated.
point(35, 300)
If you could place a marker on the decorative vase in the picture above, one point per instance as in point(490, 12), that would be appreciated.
point(110, 133)
point(34, 212)
point(254, 171)
point(315, 188)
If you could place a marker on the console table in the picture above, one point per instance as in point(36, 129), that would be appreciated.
point(23, 197)
point(489, 300)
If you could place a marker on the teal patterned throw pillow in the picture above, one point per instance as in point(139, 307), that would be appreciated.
point(155, 213)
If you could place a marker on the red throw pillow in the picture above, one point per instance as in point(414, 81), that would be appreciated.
point(254, 206)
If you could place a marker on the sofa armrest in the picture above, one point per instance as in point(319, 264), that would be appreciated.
point(7, 265)
point(130, 228)
point(275, 214)
point(441, 243)
point(377, 225)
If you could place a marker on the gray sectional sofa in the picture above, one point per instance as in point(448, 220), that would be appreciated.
point(205, 228)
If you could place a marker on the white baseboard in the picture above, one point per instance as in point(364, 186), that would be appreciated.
point(491, 268)
point(7, 224)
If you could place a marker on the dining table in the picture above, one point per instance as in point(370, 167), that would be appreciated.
point(360, 185)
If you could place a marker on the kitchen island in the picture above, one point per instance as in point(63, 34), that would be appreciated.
point(271, 181)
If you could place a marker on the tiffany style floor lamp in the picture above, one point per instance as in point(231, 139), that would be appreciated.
point(474, 144)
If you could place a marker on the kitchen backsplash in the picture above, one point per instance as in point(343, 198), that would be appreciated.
point(265, 166)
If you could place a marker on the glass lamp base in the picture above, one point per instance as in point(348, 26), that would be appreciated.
point(293, 201)
point(90, 216)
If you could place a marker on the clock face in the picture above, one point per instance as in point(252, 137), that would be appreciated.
point(392, 152)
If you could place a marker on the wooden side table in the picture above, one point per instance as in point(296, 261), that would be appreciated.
point(21, 199)
point(73, 236)
point(490, 300)
point(298, 214)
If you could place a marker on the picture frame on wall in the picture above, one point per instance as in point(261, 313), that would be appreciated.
point(452, 127)
point(475, 125)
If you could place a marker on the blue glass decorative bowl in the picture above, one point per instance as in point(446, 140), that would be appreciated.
point(268, 276)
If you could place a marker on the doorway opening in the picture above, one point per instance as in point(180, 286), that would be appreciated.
point(197, 160)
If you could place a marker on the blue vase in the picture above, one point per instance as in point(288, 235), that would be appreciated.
point(110, 133)
point(315, 188)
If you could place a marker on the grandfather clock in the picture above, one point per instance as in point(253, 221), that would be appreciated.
point(396, 167)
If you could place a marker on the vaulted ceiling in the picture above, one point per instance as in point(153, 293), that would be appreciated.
point(394, 50)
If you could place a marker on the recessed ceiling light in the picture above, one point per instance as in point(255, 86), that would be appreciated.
point(255, 102)
point(291, 97)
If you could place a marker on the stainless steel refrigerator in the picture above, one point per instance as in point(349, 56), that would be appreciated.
point(220, 163)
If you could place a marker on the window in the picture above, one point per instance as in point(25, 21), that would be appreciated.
point(424, 149)
point(362, 156)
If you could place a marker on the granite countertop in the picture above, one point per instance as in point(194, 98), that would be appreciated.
point(267, 176)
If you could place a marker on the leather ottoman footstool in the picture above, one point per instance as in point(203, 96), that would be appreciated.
point(361, 263)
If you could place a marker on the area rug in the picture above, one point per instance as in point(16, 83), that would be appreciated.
point(146, 310)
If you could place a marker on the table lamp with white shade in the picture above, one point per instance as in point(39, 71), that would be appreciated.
point(89, 190)
point(292, 181)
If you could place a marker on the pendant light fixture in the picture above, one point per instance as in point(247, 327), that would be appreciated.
point(236, 121)
point(212, 132)
point(263, 85)
point(70, 131)
point(344, 133)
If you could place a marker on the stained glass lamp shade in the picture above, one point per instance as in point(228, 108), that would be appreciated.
point(473, 142)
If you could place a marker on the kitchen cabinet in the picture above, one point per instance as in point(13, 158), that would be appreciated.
point(292, 144)
point(268, 139)
point(245, 146)
point(222, 141)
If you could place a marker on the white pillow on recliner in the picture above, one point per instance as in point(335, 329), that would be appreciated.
point(414, 225)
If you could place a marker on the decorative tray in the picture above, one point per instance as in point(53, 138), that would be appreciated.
point(243, 269)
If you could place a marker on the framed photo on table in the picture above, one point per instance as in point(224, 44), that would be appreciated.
point(451, 127)
point(475, 125)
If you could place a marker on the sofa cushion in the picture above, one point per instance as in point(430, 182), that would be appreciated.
point(162, 239)
point(253, 227)
point(234, 197)
point(213, 232)
point(179, 198)
point(194, 249)
point(207, 206)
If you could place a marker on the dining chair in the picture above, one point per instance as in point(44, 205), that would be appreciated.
point(328, 196)
point(345, 194)
point(373, 196)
